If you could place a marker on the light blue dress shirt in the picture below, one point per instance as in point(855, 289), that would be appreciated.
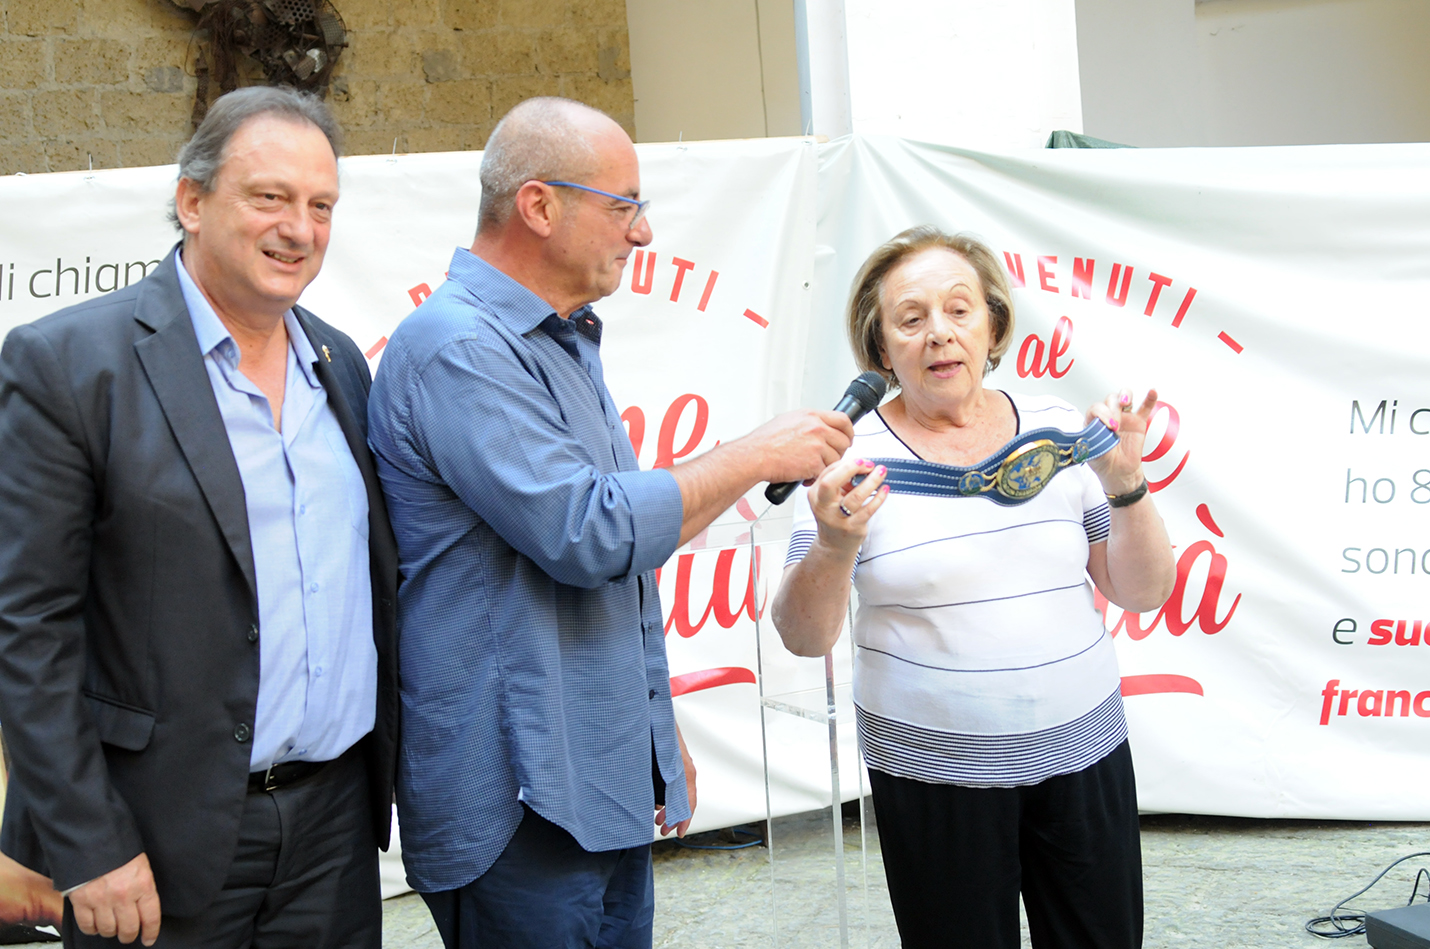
point(307, 522)
point(533, 649)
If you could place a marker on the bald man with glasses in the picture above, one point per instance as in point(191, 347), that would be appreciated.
point(539, 738)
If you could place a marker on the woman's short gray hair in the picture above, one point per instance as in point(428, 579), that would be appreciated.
point(536, 141)
point(864, 317)
point(203, 155)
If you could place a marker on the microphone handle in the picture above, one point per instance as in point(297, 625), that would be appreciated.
point(779, 493)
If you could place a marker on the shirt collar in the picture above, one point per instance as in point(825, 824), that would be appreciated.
point(510, 302)
point(213, 335)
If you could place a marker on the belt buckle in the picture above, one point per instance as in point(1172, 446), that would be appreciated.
point(268, 786)
point(1028, 470)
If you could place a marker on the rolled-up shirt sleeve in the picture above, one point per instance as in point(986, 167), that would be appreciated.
point(657, 511)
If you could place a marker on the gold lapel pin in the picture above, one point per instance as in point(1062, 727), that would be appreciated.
point(327, 355)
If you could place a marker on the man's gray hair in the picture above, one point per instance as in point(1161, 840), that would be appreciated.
point(203, 155)
point(536, 141)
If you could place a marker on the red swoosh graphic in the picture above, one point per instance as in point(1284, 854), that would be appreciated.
point(1154, 684)
point(709, 679)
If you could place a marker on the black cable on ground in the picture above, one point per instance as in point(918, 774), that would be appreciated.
point(1338, 920)
point(734, 831)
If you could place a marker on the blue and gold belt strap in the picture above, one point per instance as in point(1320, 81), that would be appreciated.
point(1012, 475)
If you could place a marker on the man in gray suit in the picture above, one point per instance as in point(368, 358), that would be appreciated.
point(197, 575)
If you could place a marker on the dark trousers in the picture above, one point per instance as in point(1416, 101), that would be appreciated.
point(304, 876)
point(957, 857)
point(546, 892)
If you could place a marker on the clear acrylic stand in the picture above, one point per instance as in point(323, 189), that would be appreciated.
point(831, 705)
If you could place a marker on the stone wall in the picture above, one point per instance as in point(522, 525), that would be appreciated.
point(112, 80)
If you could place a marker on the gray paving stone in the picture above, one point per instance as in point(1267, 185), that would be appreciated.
point(1213, 882)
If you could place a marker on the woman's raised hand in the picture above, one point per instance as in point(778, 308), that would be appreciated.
point(1120, 470)
point(842, 508)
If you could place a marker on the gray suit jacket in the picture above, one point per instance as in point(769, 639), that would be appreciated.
point(128, 611)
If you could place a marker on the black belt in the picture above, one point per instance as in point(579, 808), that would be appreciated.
point(282, 775)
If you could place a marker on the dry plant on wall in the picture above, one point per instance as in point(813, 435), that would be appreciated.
point(295, 43)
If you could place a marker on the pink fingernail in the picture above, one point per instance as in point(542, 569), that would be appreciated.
point(881, 471)
point(864, 462)
point(883, 489)
point(1114, 424)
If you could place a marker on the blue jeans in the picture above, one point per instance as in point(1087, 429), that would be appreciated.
point(546, 892)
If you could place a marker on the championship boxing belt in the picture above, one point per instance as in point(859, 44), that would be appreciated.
point(1012, 475)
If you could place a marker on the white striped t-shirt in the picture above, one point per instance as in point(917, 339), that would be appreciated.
point(980, 658)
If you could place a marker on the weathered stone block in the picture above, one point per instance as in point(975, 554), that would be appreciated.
point(567, 50)
point(166, 49)
point(366, 14)
point(440, 65)
point(354, 102)
point(508, 92)
point(369, 142)
point(613, 98)
point(142, 111)
point(535, 13)
point(460, 103)
point(374, 55)
point(469, 14)
point(499, 53)
point(99, 62)
point(126, 19)
point(400, 103)
point(142, 152)
point(27, 157)
point(446, 139)
point(168, 79)
point(65, 112)
point(22, 63)
point(422, 14)
point(42, 17)
point(79, 154)
point(14, 116)
point(591, 13)
point(609, 66)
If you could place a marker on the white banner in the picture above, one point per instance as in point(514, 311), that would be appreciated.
point(1273, 296)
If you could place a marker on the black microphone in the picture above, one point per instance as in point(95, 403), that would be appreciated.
point(863, 394)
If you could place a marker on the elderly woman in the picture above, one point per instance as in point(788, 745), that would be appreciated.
point(987, 690)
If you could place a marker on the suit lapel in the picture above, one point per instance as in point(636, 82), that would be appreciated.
point(175, 368)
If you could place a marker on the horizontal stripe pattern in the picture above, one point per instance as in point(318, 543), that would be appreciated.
point(973, 664)
point(939, 757)
point(799, 544)
point(1098, 523)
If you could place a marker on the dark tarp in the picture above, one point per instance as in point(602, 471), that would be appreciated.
point(1065, 139)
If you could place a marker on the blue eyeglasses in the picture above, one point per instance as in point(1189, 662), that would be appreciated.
point(641, 206)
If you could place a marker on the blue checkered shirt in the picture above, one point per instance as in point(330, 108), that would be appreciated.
point(533, 650)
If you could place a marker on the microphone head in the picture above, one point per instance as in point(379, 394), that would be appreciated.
point(868, 389)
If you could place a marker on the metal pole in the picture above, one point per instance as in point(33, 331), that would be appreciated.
point(764, 741)
point(836, 813)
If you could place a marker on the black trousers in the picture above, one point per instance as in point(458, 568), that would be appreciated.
point(304, 876)
point(956, 859)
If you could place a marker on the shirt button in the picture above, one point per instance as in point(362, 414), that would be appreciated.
point(242, 732)
point(302, 509)
point(652, 693)
point(313, 588)
point(318, 672)
point(253, 633)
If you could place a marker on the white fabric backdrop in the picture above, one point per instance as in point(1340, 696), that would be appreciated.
point(1310, 265)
